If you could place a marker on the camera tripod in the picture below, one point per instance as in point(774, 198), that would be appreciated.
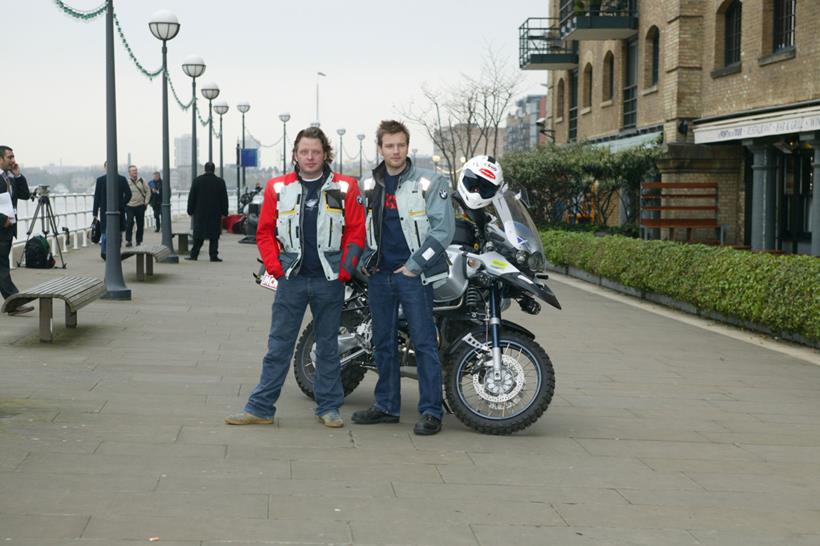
point(45, 214)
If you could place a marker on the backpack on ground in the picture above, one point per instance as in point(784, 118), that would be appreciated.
point(38, 253)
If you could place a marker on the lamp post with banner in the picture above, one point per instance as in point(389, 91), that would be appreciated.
point(243, 107)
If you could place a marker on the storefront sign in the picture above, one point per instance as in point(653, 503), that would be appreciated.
point(780, 123)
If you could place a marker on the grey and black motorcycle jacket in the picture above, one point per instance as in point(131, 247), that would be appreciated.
point(426, 215)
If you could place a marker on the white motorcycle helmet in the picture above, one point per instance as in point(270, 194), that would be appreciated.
point(480, 180)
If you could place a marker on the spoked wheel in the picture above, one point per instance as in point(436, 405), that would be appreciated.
point(508, 404)
point(304, 367)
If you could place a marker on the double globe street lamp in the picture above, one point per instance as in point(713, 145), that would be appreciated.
point(194, 67)
point(210, 91)
point(165, 26)
point(221, 107)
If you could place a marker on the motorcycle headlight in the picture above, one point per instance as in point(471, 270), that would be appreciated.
point(521, 257)
point(536, 262)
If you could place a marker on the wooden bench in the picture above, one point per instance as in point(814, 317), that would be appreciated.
point(698, 200)
point(157, 252)
point(77, 292)
point(182, 241)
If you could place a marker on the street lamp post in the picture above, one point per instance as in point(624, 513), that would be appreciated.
point(284, 117)
point(318, 75)
point(221, 108)
point(243, 107)
point(210, 91)
point(361, 138)
point(164, 26)
point(194, 67)
point(114, 281)
point(341, 133)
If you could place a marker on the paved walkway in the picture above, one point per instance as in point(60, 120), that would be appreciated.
point(661, 433)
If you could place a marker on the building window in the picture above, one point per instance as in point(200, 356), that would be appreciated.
point(559, 106)
point(609, 79)
point(783, 20)
point(630, 90)
point(573, 105)
point(588, 86)
point(732, 19)
point(653, 57)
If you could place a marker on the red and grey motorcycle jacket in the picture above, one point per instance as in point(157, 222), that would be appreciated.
point(340, 230)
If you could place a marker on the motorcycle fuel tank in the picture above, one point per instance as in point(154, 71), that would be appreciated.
point(456, 282)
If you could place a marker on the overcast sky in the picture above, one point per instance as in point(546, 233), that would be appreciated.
point(376, 55)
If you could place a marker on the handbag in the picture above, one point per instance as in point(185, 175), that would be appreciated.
point(96, 231)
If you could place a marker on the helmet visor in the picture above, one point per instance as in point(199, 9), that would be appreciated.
point(474, 183)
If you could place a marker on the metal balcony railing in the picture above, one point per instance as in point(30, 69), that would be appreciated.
point(541, 47)
point(598, 19)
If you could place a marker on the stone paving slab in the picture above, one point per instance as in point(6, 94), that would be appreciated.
point(664, 430)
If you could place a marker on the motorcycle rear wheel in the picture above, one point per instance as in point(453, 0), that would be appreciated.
point(303, 368)
point(514, 403)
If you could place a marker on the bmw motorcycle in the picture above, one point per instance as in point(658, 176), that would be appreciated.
point(497, 377)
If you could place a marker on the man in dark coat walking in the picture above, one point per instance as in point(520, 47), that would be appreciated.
point(101, 204)
point(207, 203)
point(13, 183)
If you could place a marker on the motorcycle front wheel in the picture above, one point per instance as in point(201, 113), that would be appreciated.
point(500, 406)
point(304, 369)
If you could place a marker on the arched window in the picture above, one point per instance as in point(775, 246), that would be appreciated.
point(609, 76)
point(652, 62)
point(559, 100)
point(587, 98)
point(732, 24)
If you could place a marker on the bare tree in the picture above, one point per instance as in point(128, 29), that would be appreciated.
point(465, 119)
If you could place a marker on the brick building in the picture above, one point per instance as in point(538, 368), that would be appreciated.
point(731, 87)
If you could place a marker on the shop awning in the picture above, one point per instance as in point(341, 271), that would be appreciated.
point(784, 122)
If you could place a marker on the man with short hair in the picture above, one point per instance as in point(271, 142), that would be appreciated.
point(207, 204)
point(410, 223)
point(310, 235)
point(13, 186)
point(135, 210)
point(100, 207)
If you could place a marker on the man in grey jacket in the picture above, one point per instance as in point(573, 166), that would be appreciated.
point(410, 222)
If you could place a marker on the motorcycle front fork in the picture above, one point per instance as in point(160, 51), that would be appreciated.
point(495, 331)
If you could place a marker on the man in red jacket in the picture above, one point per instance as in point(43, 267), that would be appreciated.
point(310, 235)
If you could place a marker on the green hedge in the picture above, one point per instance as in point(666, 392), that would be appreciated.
point(779, 292)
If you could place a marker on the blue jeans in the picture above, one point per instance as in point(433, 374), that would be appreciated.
point(292, 298)
point(385, 291)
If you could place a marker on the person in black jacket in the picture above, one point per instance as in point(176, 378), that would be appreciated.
point(13, 182)
point(207, 203)
point(101, 205)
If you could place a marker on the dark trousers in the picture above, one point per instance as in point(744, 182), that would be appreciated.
point(134, 214)
point(157, 216)
point(213, 247)
point(385, 291)
point(7, 287)
point(325, 299)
